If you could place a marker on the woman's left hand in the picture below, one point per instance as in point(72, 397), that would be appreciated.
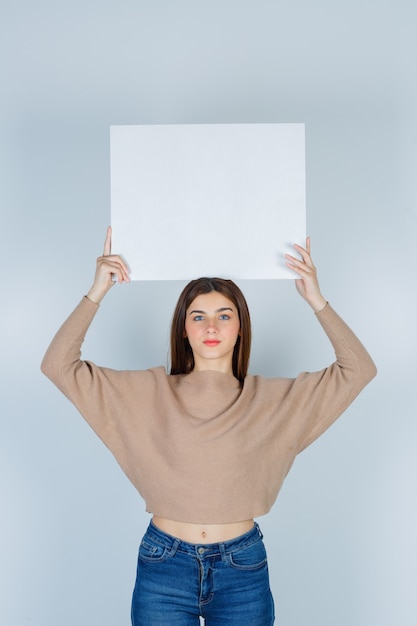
point(308, 284)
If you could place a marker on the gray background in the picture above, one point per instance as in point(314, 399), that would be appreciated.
point(341, 537)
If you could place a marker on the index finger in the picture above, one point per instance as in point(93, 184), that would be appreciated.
point(107, 243)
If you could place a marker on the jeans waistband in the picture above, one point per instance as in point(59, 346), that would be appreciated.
point(206, 549)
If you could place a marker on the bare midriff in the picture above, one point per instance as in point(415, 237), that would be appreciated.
point(203, 533)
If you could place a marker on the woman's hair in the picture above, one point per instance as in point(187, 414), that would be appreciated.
point(182, 359)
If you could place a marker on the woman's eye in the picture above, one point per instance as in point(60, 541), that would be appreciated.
point(224, 316)
point(198, 318)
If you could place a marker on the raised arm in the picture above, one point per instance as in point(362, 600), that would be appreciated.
point(320, 397)
point(63, 357)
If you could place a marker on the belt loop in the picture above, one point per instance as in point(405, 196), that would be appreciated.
point(223, 552)
point(174, 547)
point(259, 530)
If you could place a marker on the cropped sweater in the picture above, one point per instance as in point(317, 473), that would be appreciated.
point(201, 448)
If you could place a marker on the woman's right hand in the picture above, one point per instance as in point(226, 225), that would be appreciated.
point(110, 269)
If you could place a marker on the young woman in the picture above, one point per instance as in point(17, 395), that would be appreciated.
point(207, 446)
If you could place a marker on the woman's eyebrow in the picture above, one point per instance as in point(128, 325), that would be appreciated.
point(223, 308)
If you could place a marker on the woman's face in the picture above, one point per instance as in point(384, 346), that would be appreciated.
point(212, 327)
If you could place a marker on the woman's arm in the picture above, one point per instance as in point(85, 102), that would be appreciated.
point(322, 396)
point(62, 362)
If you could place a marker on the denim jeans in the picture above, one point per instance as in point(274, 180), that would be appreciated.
point(225, 583)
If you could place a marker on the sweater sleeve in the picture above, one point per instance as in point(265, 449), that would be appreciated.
point(64, 352)
point(321, 397)
point(97, 392)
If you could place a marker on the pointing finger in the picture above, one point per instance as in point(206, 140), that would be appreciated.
point(107, 243)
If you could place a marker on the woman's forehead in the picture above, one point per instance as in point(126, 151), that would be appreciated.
point(211, 301)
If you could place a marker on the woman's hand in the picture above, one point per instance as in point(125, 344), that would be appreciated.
point(308, 284)
point(110, 269)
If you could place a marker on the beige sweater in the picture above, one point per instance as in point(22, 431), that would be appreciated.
point(199, 448)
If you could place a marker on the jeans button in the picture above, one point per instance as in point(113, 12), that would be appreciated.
point(200, 550)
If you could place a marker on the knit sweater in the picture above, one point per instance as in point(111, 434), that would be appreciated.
point(201, 448)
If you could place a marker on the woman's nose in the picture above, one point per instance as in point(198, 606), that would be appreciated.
point(211, 327)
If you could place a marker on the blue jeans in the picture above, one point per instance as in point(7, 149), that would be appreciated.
point(225, 583)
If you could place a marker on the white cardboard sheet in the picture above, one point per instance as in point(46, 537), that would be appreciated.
point(196, 200)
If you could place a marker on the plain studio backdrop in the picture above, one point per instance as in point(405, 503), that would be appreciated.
point(342, 535)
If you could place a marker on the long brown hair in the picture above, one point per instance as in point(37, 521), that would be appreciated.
point(182, 359)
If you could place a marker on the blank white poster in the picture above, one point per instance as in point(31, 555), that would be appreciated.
point(196, 200)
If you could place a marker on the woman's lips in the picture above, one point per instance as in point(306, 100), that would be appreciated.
point(211, 343)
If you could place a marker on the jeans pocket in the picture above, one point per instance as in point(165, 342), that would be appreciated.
point(249, 557)
point(151, 551)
